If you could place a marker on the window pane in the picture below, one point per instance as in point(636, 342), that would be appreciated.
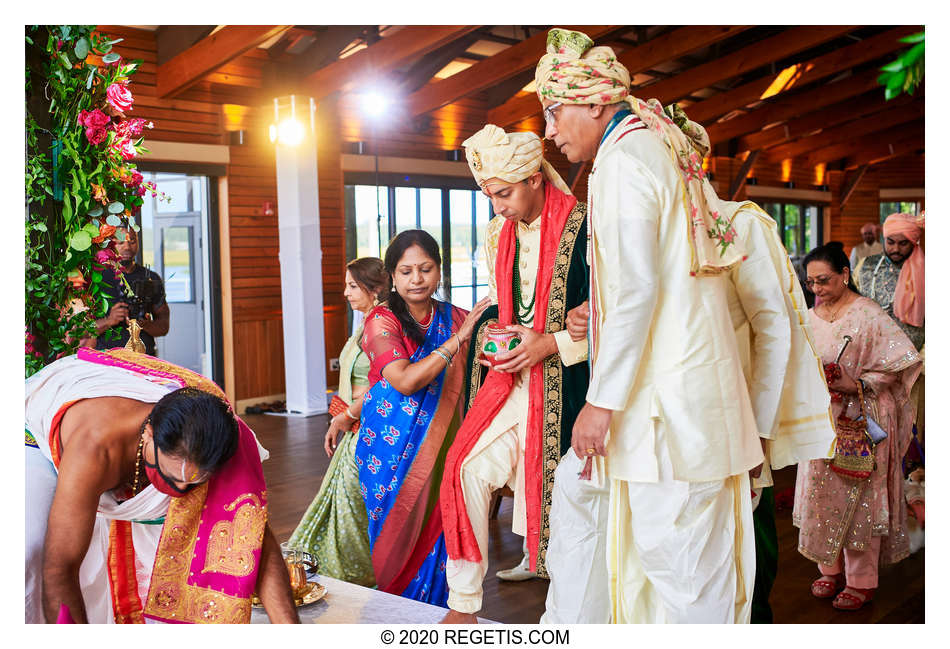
point(147, 232)
point(405, 209)
point(460, 207)
point(430, 201)
point(177, 190)
point(481, 291)
point(462, 296)
point(372, 220)
point(482, 211)
point(792, 224)
point(176, 262)
point(811, 227)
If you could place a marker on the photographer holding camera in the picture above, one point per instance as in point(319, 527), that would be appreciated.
point(146, 305)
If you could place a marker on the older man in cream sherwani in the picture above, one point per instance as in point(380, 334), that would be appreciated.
point(666, 380)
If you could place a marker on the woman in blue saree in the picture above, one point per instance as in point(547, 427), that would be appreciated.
point(409, 418)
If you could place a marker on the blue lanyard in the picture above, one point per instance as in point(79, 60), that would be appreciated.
point(618, 117)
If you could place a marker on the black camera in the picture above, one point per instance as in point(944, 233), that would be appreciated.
point(140, 303)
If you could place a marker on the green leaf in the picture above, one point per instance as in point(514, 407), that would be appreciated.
point(136, 227)
point(111, 57)
point(92, 75)
point(67, 209)
point(65, 61)
point(890, 93)
point(112, 219)
point(96, 211)
point(115, 207)
point(91, 229)
point(81, 49)
point(40, 226)
point(80, 241)
point(96, 276)
point(913, 38)
point(893, 66)
point(120, 235)
point(897, 79)
point(910, 56)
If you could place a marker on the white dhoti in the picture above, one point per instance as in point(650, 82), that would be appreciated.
point(576, 559)
point(496, 460)
point(680, 551)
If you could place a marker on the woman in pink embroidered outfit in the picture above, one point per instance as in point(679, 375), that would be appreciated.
point(857, 523)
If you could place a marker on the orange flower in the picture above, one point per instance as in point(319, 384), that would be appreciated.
point(99, 194)
point(105, 231)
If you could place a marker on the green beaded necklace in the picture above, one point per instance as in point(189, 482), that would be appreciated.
point(523, 311)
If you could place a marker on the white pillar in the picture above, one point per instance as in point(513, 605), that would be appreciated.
point(301, 278)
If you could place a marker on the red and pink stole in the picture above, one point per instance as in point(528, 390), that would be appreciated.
point(209, 553)
point(460, 539)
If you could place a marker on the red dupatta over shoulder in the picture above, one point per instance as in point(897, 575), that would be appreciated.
point(460, 539)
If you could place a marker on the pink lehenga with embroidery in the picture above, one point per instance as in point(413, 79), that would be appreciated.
point(834, 513)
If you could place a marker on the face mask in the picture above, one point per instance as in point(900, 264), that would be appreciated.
point(160, 481)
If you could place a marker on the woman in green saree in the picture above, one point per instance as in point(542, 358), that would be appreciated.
point(333, 529)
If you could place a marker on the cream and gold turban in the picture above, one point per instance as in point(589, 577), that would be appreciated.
point(575, 72)
point(512, 157)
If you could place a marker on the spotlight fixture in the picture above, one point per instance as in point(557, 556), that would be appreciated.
point(287, 128)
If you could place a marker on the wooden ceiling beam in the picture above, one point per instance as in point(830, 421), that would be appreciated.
point(851, 184)
point(872, 142)
point(801, 74)
point(743, 174)
point(487, 73)
point(785, 108)
point(189, 67)
point(423, 71)
point(839, 113)
point(404, 46)
point(787, 43)
point(881, 151)
point(669, 45)
point(848, 131)
point(174, 39)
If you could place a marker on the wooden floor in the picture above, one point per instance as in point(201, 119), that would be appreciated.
point(297, 464)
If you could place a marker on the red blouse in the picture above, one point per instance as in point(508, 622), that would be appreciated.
point(384, 340)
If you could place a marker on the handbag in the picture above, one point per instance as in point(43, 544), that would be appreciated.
point(854, 447)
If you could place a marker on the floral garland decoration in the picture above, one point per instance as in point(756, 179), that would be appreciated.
point(82, 186)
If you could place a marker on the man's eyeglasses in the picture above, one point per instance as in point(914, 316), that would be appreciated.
point(818, 281)
point(549, 115)
point(171, 482)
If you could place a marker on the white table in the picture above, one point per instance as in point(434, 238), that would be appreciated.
point(347, 603)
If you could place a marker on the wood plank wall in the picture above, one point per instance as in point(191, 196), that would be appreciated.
point(197, 116)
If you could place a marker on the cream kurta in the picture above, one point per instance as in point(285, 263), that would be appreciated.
point(666, 351)
point(786, 383)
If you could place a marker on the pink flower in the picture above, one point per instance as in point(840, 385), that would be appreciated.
point(126, 149)
point(95, 134)
point(83, 116)
point(136, 179)
point(119, 97)
point(106, 256)
point(729, 236)
point(140, 190)
point(96, 118)
point(136, 126)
